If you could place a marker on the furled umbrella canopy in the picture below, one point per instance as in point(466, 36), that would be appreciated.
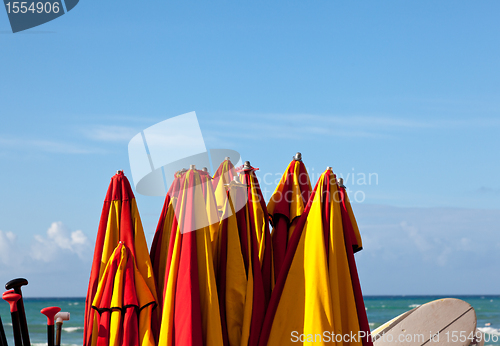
point(353, 244)
point(286, 205)
point(123, 303)
point(120, 221)
point(240, 283)
point(258, 223)
point(314, 291)
point(161, 240)
point(222, 176)
point(191, 309)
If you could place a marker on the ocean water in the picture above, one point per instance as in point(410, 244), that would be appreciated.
point(380, 309)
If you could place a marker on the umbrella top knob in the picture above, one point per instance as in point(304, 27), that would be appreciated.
point(297, 157)
point(247, 165)
point(205, 169)
point(227, 158)
point(192, 166)
point(329, 168)
point(341, 182)
point(120, 171)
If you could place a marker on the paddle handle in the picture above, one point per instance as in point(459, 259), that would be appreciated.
point(58, 333)
point(50, 335)
point(3, 339)
point(17, 330)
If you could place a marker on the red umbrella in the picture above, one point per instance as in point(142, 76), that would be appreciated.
point(240, 283)
point(222, 176)
point(120, 221)
point(124, 303)
point(161, 240)
point(286, 205)
point(190, 308)
point(259, 225)
point(314, 291)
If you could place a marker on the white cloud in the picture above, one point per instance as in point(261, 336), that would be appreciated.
point(59, 241)
point(8, 248)
point(311, 126)
point(107, 133)
point(428, 250)
point(50, 146)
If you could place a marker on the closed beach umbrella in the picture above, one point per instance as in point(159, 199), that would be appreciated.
point(120, 221)
point(286, 205)
point(258, 223)
point(161, 240)
point(190, 309)
point(353, 244)
point(222, 176)
point(242, 292)
point(124, 303)
point(314, 291)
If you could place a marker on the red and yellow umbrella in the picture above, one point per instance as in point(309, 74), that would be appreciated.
point(286, 205)
point(161, 240)
point(258, 221)
point(353, 244)
point(124, 303)
point(314, 291)
point(190, 309)
point(240, 282)
point(120, 221)
point(222, 176)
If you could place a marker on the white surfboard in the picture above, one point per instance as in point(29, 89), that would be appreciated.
point(441, 322)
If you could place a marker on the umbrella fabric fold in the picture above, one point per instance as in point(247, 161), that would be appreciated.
point(314, 293)
point(120, 221)
point(285, 206)
point(240, 281)
point(161, 240)
point(190, 308)
point(211, 210)
point(222, 176)
point(123, 303)
point(353, 244)
point(258, 223)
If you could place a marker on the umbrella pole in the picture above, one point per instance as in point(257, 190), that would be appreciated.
point(50, 312)
point(16, 285)
point(60, 317)
point(12, 298)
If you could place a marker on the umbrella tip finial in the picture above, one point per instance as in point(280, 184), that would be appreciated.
point(120, 171)
point(341, 182)
point(192, 166)
point(205, 169)
point(329, 168)
point(298, 157)
point(226, 158)
point(247, 165)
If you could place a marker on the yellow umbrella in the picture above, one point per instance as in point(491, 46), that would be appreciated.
point(191, 309)
point(314, 292)
point(286, 205)
point(120, 221)
point(240, 282)
point(124, 303)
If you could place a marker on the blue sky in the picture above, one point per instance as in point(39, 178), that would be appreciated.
point(408, 91)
